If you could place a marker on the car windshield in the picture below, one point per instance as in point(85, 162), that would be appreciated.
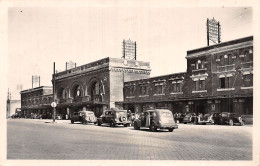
point(224, 115)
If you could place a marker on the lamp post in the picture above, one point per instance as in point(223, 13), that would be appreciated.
point(53, 104)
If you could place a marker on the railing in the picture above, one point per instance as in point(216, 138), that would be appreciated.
point(77, 99)
point(226, 68)
point(97, 98)
point(247, 64)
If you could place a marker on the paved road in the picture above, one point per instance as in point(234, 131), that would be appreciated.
point(35, 139)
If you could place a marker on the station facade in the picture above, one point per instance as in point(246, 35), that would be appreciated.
point(96, 86)
point(219, 78)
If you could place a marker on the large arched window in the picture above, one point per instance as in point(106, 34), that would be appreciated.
point(76, 91)
point(62, 93)
point(95, 90)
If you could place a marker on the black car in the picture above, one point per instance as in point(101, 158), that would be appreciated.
point(114, 117)
point(226, 118)
point(189, 118)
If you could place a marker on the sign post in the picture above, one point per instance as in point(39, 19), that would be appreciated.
point(53, 104)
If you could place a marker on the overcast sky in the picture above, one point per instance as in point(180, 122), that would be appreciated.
point(37, 37)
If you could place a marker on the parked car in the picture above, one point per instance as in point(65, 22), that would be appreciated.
point(114, 117)
point(84, 117)
point(189, 118)
point(179, 117)
point(206, 119)
point(15, 116)
point(229, 118)
point(156, 119)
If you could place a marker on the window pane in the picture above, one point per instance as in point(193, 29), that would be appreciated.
point(222, 82)
point(203, 84)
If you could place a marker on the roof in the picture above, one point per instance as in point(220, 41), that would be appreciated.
point(35, 89)
point(231, 42)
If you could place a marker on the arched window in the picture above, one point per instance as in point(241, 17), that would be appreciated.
point(76, 91)
point(248, 56)
point(222, 60)
point(229, 59)
point(62, 93)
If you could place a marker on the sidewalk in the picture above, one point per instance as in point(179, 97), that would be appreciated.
point(51, 120)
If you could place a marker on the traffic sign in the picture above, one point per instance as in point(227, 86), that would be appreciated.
point(53, 104)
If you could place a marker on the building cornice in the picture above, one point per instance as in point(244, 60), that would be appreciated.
point(220, 50)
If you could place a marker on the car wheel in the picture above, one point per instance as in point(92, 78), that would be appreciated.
point(153, 127)
point(231, 123)
point(72, 121)
point(125, 125)
point(170, 129)
point(112, 124)
point(185, 122)
point(136, 126)
point(242, 123)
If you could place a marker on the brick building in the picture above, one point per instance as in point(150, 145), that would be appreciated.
point(219, 78)
point(36, 101)
point(96, 86)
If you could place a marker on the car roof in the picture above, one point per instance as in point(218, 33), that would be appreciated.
point(87, 111)
point(117, 110)
point(157, 110)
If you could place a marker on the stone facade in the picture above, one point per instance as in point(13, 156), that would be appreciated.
point(96, 86)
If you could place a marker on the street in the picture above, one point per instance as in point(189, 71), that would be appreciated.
point(40, 139)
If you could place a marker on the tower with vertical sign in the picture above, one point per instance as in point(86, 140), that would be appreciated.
point(213, 32)
point(129, 49)
point(36, 81)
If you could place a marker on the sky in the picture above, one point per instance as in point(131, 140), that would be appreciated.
point(39, 36)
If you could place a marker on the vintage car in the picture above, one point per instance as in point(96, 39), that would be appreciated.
point(156, 119)
point(206, 119)
point(84, 117)
point(228, 118)
point(15, 116)
point(114, 117)
point(189, 118)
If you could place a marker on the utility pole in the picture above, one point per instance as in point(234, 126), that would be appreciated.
point(8, 105)
point(53, 86)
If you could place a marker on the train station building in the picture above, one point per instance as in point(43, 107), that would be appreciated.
point(219, 78)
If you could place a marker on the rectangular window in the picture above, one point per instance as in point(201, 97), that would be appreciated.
point(131, 90)
point(228, 82)
point(159, 89)
point(248, 80)
point(174, 87)
point(178, 87)
point(144, 90)
point(196, 85)
point(202, 84)
point(222, 82)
